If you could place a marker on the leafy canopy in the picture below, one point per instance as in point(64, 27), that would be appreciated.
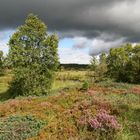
point(1, 63)
point(124, 63)
point(33, 57)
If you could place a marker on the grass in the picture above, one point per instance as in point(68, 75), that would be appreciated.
point(64, 110)
point(62, 84)
point(4, 80)
point(71, 75)
point(64, 79)
point(116, 85)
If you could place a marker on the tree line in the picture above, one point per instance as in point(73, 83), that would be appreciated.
point(121, 64)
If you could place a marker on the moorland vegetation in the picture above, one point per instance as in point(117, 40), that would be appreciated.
point(42, 100)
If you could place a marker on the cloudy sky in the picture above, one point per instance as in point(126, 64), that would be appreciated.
point(85, 27)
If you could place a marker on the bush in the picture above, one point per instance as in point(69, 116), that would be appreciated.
point(85, 85)
point(104, 121)
point(101, 126)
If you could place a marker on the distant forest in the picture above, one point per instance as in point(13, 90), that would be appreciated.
point(74, 66)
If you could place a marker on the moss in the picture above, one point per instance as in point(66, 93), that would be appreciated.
point(19, 127)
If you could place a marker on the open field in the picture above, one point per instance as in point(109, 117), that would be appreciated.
point(60, 115)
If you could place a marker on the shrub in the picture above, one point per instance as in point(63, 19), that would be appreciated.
point(104, 121)
point(104, 124)
point(85, 85)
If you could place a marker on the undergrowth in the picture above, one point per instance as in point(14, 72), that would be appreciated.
point(74, 110)
point(19, 127)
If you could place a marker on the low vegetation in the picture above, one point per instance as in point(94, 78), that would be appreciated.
point(104, 110)
point(19, 127)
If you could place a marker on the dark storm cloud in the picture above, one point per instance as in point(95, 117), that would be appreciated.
point(88, 17)
point(104, 23)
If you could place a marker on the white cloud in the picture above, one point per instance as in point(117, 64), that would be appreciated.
point(80, 42)
point(4, 38)
point(97, 45)
point(70, 55)
point(4, 47)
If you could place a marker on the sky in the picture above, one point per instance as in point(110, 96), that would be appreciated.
point(85, 27)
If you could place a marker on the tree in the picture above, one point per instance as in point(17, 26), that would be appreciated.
point(124, 63)
point(103, 58)
point(33, 57)
point(101, 69)
point(1, 63)
point(93, 63)
point(136, 63)
point(98, 68)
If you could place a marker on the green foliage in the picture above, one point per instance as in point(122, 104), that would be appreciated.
point(93, 63)
point(73, 67)
point(85, 85)
point(33, 57)
point(115, 85)
point(98, 70)
point(1, 63)
point(67, 112)
point(124, 63)
point(71, 75)
point(1, 58)
point(17, 128)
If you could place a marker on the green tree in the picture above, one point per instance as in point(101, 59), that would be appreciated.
point(101, 69)
point(1, 59)
point(98, 68)
point(102, 58)
point(33, 57)
point(124, 63)
point(136, 63)
point(1, 63)
point(93, 63)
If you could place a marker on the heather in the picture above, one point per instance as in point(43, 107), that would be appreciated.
point(106, 110)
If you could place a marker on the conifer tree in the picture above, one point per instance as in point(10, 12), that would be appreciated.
point(33, 57)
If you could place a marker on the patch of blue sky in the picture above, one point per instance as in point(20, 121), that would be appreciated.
point(66, 50)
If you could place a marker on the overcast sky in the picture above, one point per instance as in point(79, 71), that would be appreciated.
point(86, 27)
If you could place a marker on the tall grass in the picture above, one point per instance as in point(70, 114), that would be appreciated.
point(71, 75)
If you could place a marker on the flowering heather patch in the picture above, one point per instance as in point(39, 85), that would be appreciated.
point(72, 115)
point(135, 90)
point(46, 104)
point(104, 121)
